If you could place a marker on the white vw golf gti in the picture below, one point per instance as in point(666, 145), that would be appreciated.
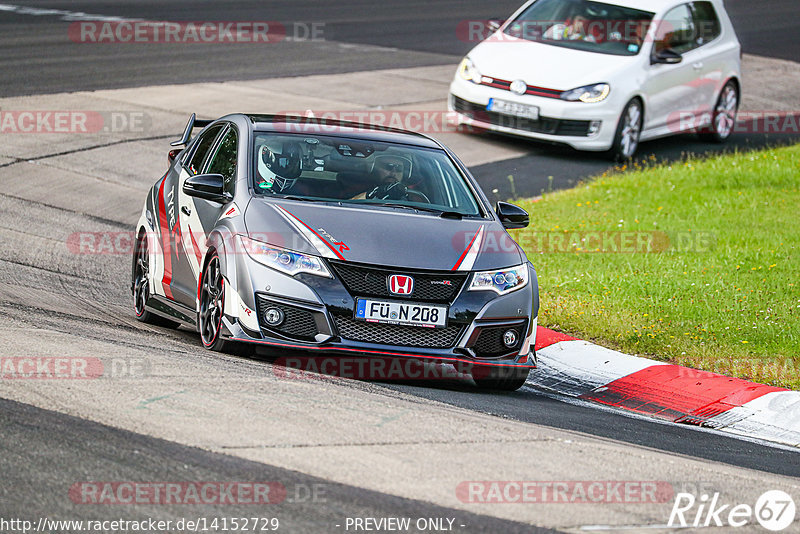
point(603, 76)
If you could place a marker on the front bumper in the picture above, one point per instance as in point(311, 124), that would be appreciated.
point(560, 121)
point(318, 318)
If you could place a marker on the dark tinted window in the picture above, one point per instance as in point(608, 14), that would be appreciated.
point(583, 25)
point(706, 21)
point(677, 31)
point(195, 163)
point(224, 159)
point(359, 172)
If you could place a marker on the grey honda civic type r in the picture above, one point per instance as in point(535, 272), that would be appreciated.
point(315, 236)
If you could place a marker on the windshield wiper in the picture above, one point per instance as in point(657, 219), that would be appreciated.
point(302, 199)
point(442, 213)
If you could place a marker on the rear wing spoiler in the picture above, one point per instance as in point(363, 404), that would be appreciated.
point(193, 123)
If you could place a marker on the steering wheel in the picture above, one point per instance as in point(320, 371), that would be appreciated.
point(396, 191)
point(419, 194)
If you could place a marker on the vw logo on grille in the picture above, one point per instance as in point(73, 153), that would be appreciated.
point(518, 87)
point(400, 284)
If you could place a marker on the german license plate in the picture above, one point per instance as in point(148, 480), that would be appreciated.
point(513, 108)
point(402, 313)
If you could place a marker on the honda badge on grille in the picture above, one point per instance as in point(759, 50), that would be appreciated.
point(401, 285)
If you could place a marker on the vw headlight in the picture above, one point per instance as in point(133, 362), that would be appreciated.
point(588, 93)
point(468, 71)
point(280, 259)
point(501, 281)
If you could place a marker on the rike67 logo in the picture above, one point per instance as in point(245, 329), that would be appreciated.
point(774, 510)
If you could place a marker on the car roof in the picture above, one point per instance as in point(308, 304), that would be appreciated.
point(646, 5)
point(353, 130)
point(654, 6)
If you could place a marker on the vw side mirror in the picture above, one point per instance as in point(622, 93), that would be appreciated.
point(667, 56)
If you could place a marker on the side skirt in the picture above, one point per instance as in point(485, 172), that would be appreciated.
point(171, 310)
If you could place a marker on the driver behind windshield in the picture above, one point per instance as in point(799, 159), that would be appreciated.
point(390, 173)
point(575, 29)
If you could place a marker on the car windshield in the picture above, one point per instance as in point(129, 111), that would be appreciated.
point(360, 172)
point(583, 25)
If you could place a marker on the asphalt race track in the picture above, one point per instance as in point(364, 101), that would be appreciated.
point(355, 36)
point(175, 412)
point(36, 48)
point(112, 454)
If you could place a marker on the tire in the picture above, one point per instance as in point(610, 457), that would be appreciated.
point(212, 305)
point(724, 118)
point(140, 285)
point(500, 378)
point(629, 130)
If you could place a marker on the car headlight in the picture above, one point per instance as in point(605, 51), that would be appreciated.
point(285, 261)
point(468, 71)
point(588, 93)
point(501, 281)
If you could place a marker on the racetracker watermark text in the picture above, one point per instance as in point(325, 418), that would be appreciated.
point(73, 122)
point(596, 30)
point(494, 242)
point(329, 121)
point(215, 493)
point(375, 368)
point(195, 32)
point(71, 368)
point(564, 492)
point(746, 122)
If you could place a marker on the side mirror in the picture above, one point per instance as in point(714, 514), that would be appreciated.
point(173, 154)
point(667, 56)
point(511, 216)
point(207, 186)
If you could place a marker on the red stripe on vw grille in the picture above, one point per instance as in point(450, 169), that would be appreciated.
point(166, 238)
point(678, 393)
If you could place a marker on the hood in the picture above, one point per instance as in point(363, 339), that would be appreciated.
point(543, 65)
point(386, 237)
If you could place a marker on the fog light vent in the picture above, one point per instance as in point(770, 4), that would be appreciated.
point(273, 316)
point(510, 338)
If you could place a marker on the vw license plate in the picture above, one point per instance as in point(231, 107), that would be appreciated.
point(513, 108)
point(403, 313)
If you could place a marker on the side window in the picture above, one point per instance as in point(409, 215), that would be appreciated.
point(677, 31)
point(224, 159)
point(195, 163)
point(706, 21)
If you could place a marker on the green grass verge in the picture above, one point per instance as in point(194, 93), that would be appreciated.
point(719, 289)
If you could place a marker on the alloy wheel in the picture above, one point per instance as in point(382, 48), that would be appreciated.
point(725, 112)
point(212, 300)
point(631, 128)
point(141, 285)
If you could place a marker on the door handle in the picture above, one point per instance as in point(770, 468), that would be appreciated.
point(186, 211)
point(698, 65)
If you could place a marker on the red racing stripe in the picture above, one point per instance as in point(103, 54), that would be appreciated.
point(328, 243)
point(197, 253)
point(678, 394)
point(382, 353)
point(466, 250)
point(166, 237)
